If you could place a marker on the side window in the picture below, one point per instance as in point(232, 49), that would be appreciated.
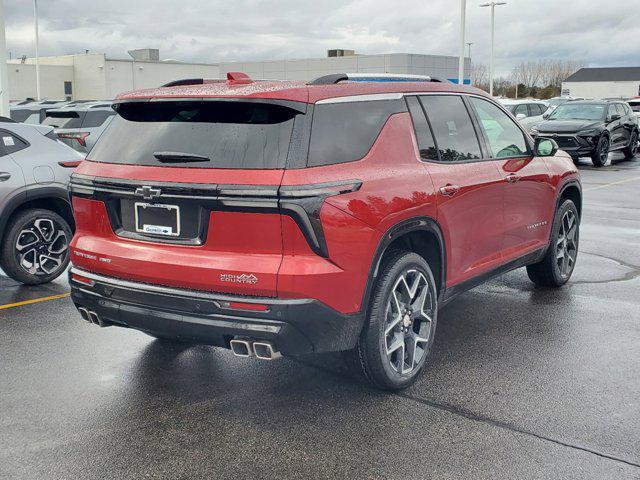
point(9, 143)
point(536, 109)
point(426, 144)
point(621, 110)
point(503, 135)
point(521, 109)
point(452, 127)
point(345, 131)
point(612, 110)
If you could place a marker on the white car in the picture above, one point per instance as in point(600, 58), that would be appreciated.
point(634, 103)
point(527, 112)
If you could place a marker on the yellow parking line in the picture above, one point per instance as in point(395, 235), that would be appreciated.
point(632, 179)
point(34, 300)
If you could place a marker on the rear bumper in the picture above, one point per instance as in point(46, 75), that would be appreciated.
point(294, 326)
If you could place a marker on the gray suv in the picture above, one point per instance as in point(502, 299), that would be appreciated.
point(80, 125)
point(36, 220)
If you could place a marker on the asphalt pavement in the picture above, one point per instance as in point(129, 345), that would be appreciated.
point(524, 383)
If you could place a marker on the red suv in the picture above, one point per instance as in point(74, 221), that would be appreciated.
point(287, 218)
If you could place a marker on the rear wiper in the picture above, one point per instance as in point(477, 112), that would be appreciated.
point(180, 157)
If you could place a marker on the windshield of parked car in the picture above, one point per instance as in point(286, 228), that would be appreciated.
point(579, 111)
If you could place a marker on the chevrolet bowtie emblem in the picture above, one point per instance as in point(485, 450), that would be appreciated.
point(147, 192)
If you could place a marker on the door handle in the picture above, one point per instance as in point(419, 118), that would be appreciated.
point(449, 190)
point(513, 178)
point(4, 176)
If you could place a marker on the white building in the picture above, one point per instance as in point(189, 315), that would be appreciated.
point(603, 83)
point(96, 76)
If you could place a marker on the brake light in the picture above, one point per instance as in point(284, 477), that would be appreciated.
point(70, 163)
point(79, 137)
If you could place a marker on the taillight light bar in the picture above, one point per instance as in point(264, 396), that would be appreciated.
point(79, 136)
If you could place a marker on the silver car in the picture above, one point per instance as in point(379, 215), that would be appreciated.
point(80, 125)
point(34, 112)
point(36, 221)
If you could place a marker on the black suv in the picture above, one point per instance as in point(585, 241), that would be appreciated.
point(592, 128)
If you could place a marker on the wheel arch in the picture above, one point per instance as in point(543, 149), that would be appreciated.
point(421, 235)
point(571, 190)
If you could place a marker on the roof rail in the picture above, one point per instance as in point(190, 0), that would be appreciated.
point(185, 81)
point(372, 77)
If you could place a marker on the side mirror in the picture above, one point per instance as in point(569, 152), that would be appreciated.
point(520, 116)
point(546, 115)
point(545, 147)
point(614, 117)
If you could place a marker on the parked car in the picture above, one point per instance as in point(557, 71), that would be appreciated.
point(527, 112)
point(557, 101)
point(634, 103)
point(36, 221)
point(592, 128)
point(33, 112)
point(287, 218)
point(79, 125)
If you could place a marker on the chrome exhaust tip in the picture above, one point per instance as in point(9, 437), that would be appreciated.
point(84, 313)
point(265, 351)
point(95, 319)
point(241, 348)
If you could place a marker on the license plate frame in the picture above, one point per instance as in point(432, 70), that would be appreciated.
point(162, 230)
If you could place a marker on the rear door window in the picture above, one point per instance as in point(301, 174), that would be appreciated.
point(452, 127)
point(230, 134)
point(345, 131)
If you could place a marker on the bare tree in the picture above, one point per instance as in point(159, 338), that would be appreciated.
point(479, 74)
point(557, 71)
point(528, 74)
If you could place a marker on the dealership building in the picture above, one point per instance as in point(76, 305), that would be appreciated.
point(603, 82)
point(97, 76)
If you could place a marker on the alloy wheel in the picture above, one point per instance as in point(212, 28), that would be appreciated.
point(604, 150)
point(634, 145)
point(41, 247)
point(567, 244)
point(408, 321)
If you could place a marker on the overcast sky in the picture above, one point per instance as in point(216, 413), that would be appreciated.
point(601, 33)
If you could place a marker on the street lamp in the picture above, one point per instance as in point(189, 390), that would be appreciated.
point(469, 45)
point(35, 17)
point(463, 7)
point(493, 7)
point(4, 81)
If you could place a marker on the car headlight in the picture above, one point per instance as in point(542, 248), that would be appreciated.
point(588, 133)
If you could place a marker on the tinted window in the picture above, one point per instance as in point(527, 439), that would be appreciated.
point(344, 132)
point(230, 134)
point(521, 109)
point(621, 110)
point(21, 115)
point(635, 106)
point(9, 143)
point(452, 127)
point(503, 135)
point(67, 119)
point(96, 118)
point(423, 132)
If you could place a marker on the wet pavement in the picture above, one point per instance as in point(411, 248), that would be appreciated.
point(523, 383)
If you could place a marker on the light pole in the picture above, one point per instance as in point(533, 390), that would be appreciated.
point(4, 80)
point(493, 7)
point(469, 45)
point(463, 8)
point(35, 16)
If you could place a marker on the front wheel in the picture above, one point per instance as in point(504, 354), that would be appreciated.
point(556, 267)
point(398, 333)
point(35, 247)
point(601, 153)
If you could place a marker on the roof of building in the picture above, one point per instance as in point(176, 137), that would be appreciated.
point(292, 90)
point(606, 74)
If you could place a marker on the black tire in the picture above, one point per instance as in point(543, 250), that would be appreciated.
point(34, 226)
point(386, 370)
point(631, 150)
point(601, 152)
point(551, 271)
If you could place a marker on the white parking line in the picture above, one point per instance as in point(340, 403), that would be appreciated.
point(611, 184)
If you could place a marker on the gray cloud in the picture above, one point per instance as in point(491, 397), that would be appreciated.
point(209, 31)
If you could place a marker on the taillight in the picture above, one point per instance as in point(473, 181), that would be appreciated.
point(79, 137)
point(258, 307)
point(70, 163)
point(82, 279)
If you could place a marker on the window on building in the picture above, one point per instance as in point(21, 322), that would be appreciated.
point(68, 88)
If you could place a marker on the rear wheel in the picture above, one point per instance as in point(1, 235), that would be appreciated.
point(398, 333)
point(556, 267)
point(601, 153)
point(35, 247)
point(632, 149)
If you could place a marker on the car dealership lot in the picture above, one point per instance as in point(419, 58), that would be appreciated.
point(524, 383)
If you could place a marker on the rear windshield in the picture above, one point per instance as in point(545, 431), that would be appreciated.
point(234, 134)
point(21, 115)
point(95, 118)
point(68, 119)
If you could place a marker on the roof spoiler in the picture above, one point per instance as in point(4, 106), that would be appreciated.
point(372, 77)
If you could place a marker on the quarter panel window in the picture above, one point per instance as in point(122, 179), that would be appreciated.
point(9, 143)
point(452, 127)
point(504, 137)
point(426, 144)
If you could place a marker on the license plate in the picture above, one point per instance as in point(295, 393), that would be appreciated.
point(157, 219)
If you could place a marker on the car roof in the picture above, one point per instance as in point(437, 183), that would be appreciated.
point(513, 101)
point(294, 90)
point(84, 106)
